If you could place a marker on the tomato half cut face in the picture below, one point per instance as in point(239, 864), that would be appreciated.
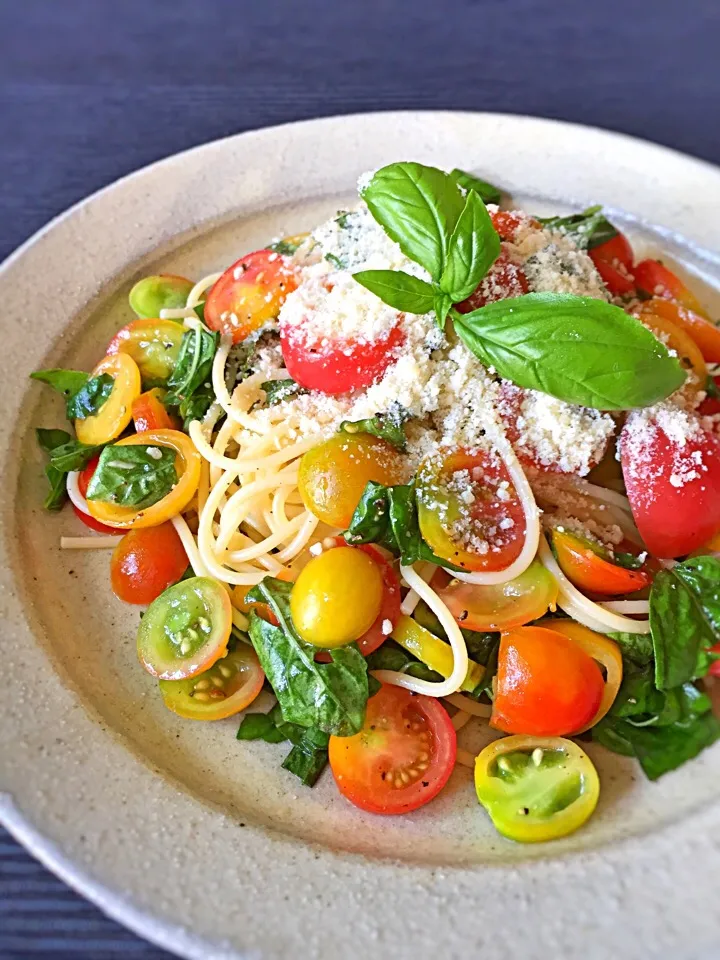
point(229, 686)
point(403, 756)
point(185, 630)
point(469, 511)
point(588, 566)
point(150, 413)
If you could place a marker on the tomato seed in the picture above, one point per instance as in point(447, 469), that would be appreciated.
point(216, 681)
point(203, 697)
point(226, 670)
point(202, 684)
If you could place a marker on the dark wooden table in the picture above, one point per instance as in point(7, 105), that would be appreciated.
point(92, 89)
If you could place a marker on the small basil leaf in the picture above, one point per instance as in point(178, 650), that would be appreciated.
point(277, 391)
point(473, 248)
point(418, 207)
point(388, 426)
point(711, 388)
point(50, 440)
point(256, 726)
point(578, 349)
point(588, 229)
point(398, 289)
point(90, 398)
point(193, 368)
point(58, 489)
point(486, 191)
point(134, 475)
point(73, 456)
point(336, 261)
point(66, 382)
point(287, 246)
point(308, 757)
point(442, 304)
point(66, 454)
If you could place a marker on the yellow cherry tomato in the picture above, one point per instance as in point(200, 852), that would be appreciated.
point(336, 597)
point(603, 650)
point(229, 686)
point(536, 788)
point(116, 413)
point(434, 652)
point(688, 352)
point(187, 464)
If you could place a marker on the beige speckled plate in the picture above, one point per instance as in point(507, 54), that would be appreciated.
point(204, 844)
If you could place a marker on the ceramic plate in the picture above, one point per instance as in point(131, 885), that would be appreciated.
point(199, 842)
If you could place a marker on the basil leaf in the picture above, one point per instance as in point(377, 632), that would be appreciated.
point(66, 454)
point(399, 290)
point(473, 248)
point(277, 391)
point(637, 647)
point(135, 475)
point(193, 367)
point(588, 229)
point(486, 191)
point(685, 620)
point(578, 349)
point(479, 643)
point(308, 757)
point(388, 426)
point(58, 489)
point(711, 388)
point(90, 397)
point(391, 656)
point(50, 440)
point(73, 455)
point(329, 696)
point(336, 261)
point(442, 304)
point(285, 247)
point(66, 382)
point(418, 207)
point(259, 726)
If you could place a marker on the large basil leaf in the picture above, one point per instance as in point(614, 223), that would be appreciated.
point(579, 349)
point(133, 475)
point(189, 387)
point(418, 207)
point(486, 191)
point(685, 620)
point(309, 754)
point(90, 397)
point(588, 229)
point(328, 696)
point(387, 426)
point(65, 454)
point(637, 647)
point(398, 289)
point(473, 248)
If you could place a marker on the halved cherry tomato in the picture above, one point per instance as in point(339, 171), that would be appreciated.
point(673, 488)
point(432, 651)
point(655, 278)
point(84, 478)
point(587, 565)
point(402, 757)
point(536, 789)
point(116, 412)
point(505, 279)
point(711, 404)
point(616, 251)
point(229, 686)
point(249, 293)
point(185, 630)
point(546, 685)
point(150, 413)
point(187, 464)
point(154, 345)
point(604, 651)
point(507, 223)
point(146, 562)
point(688, 353)
point(614, 262)
point(334, 474)
point(618, 283)
point(703, 332)
point(469, 511)
point(499, 606)
point(165, 291)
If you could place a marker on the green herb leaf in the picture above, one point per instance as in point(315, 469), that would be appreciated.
point(336, 261)
point(442, 305)
point(329, 696)
point(66, 382)
point(50, 440)
point(578, 349)
point(90, 397)
point(388, 426)
point(285, 247)
point(399, 290)
point(418, 207)
point(309, 756)
point(277, 391)
point(136, 475)
point(486, 191)
point(258, 726)
point(588, 229)
point(193, 368)
point(66, 454)
point(391, 656)
point(711, 388)
point(637, 647)
point(473, 248)
point(685, 620)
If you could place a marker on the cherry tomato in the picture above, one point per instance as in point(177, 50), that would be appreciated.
point(704, 332)
point(469, 512)
point(536, 789)
point(84, 478)
point(115, 414)
point(655, 278)
point(336, 597)
point(507, 223)
point(249, 293)
point(546, 685)
point(432, 651)
point(403, 756)
point(499, 606)
point(389, 608)
point(614, 262)
point(150, 413)
point(688, 353)
point(229, 686)
point(154, 345)
point(618, 283)
point(146, 562)
point(185, 630)
point(505, 279)
point(711, 405)
point(587, 565)
point(615, 251)
point(333, 475)
point(674, 490)
point(166, 291)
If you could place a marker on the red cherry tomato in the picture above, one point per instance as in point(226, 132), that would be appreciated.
point(654, 278)
point(149, 413)
point(83, 480)
point(615, 278)
point(249, 293)
point(338, 366)
point(714, 670)
point(546, 684)
point(505, 279)
point(711, 405)
point(146, 562)
point(402, 757)
point(616, 251)
point(507, 223)
point(674, 490)
point(587, 566)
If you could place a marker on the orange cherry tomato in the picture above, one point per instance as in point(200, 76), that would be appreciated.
point(586, 564)
point(704, 332)
point(688, 353)
point(469, 511)
point(546, 685)
point(116, 413)
point(149, 413)
point(402, 757)
point(146, 562)
point(249, 293)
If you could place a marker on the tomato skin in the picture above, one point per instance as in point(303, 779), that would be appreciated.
point(711, 405)
point(149, 413)
point(507, 223)
point(703, 332)
point(546, 685)
point(249, 293)
point(390, 605)
point(229, 686)
point(146, 562)
point(165, 291)
point(84, 478)
point(672, 520)
point(404, 733)
point(616, 250)
point(116, 413)
point(154, 345)
point(655, 278)
point(583, 564)
point(505, 279)
point(618, 284)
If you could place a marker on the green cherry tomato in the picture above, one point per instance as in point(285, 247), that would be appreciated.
point(536, 788)
point(162, 292)
point(186, 630)
point(230, 685)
